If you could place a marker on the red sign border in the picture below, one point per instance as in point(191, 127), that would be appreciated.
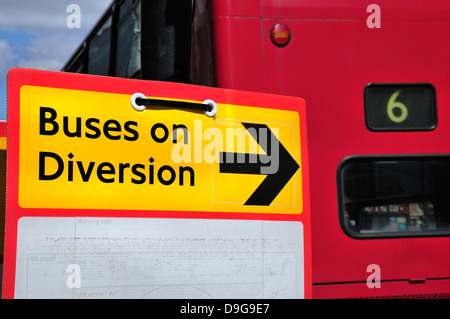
point(18, 77)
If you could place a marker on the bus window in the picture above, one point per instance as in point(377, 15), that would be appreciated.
point(125, 6)
point(395, 196)
point(166, 45)
point(128, 59)
point(99, 50)
point(149, 40)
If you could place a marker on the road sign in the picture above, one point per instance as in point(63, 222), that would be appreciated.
point(78, 151)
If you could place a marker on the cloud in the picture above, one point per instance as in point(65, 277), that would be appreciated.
point(34, 34)
point(7, 56)
point(36, 16)
point(50, 51)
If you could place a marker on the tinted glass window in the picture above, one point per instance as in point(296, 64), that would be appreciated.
point(124, 7)
point(395, 196)
point(166, 45)
point(99, 50)
point(128, 59)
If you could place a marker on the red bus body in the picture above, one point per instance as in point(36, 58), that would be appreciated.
point(331, 57)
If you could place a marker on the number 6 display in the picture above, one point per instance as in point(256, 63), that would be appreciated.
point(392, 104)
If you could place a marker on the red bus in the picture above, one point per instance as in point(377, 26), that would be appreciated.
point(375, 80)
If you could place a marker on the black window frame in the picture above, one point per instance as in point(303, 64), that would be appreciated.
point(80, 58)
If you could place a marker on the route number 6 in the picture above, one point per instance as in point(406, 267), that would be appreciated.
point(392, 104)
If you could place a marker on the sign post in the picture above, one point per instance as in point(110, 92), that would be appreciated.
point(105, 201)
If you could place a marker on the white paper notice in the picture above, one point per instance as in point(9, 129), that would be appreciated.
point(65, 257)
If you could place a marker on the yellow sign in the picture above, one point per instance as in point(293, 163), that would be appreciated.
point(92, 150)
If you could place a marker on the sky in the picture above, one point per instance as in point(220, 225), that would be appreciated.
point(42, 34)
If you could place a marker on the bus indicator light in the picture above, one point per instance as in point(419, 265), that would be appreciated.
point(280, 35)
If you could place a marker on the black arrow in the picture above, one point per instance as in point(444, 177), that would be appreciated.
point(241, 163)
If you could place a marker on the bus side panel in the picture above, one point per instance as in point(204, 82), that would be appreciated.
point(328, 63)
point(247, 8)
point(411, 10)
point(238, 57)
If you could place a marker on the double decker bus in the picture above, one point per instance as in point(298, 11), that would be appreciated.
point(375, 78)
